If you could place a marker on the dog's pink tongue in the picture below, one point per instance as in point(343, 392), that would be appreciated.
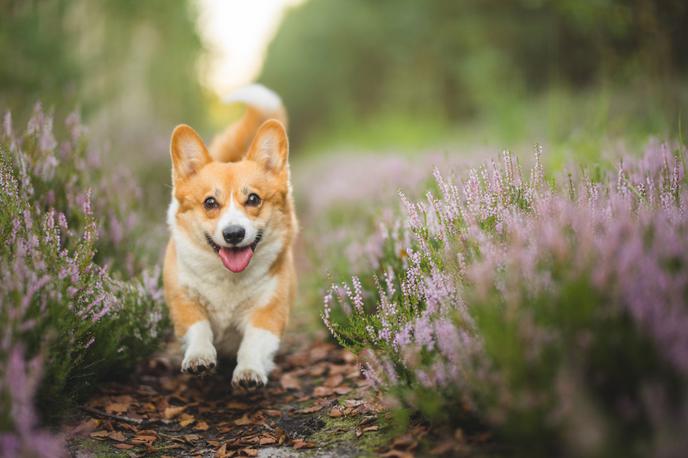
point(236, 259)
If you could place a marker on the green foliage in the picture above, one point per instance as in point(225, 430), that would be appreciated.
point(356, 62)
point(127, 57)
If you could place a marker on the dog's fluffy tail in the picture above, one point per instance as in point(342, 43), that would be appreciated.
point(261, 104)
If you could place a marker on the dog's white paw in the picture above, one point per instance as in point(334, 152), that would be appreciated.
point(199, 359)
point(249, 377)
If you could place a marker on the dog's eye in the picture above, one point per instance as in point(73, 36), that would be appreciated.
point(210, 203)
point(253, 200)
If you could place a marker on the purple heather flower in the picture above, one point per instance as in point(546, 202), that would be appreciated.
point(21, 381)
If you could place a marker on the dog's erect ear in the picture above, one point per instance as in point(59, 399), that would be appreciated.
point(270, 147)
point(188, 152)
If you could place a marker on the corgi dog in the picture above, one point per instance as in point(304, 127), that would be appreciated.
point(229, 277)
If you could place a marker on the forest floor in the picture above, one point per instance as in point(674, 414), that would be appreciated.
point(315, 404)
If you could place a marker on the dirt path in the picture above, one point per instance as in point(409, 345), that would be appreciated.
point(316, 402)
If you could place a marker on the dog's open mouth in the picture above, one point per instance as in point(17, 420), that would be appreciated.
point(235, 259)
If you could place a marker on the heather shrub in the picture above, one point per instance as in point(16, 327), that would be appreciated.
point(554, 311)
point(64, 174)
point(75, 305)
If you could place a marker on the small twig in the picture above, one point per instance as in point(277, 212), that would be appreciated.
point(136, 421)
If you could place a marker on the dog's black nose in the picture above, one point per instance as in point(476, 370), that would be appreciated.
point(233, 234)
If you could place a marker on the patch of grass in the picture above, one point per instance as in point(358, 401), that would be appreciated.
point(342, 430)
point(574, 126)
point(86, 446)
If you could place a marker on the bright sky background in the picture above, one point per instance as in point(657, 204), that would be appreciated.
point(237, 33)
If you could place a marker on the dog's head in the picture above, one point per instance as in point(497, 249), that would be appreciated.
point(229, 207)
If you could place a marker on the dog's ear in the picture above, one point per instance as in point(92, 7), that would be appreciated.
point(188, 152)
point(270, 147)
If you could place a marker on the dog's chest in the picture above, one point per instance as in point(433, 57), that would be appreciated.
point(229, 299)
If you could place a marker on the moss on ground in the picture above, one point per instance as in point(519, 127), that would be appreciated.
point(341, 431)
point(94, 448)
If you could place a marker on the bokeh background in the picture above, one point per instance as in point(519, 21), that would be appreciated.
point(379, 92)
point(402, 78)
point(370, 74)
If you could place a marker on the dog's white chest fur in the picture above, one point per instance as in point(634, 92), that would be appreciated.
point(228, 297)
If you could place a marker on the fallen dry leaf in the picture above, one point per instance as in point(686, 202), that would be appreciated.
point(99, 434)
point(116, 408)
point(234, 405)
point(405, 441)
point(282, 436)
point(243, 421)
point(334, 380)
point(338, 369)
point(171, 412)
point(191, 438)
point(311, 409)
point(290, 382)
point(249, 452)
point(128, 427)
point(124, 446)
point(318, 353)
point(397, 454)
point(342, 390)
point(336, 412)
point(142, 439)
point(117, 436)
point(317, 371)
point(85, 427)
point(267, 440)
point(201, 426)
point(223, 453)
point(186, 421)
point(300, 443)
point(348, 357)
point(322, 391)
point(168, 383)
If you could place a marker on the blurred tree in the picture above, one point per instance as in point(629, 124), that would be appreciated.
point(122, 60)
point(35, 54)
point(334, 59)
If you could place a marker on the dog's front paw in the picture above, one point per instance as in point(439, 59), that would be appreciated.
point(249, 377)
point(199, 360)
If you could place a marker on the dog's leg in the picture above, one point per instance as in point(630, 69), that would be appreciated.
point(262, 334)
point(255, 357)
point(199, 353)
point(190, 320)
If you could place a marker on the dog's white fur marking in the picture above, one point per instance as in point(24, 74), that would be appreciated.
point(255, 357)
point(172, 213)
point(231, 216)
point(257, 96)
point(198, 346)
